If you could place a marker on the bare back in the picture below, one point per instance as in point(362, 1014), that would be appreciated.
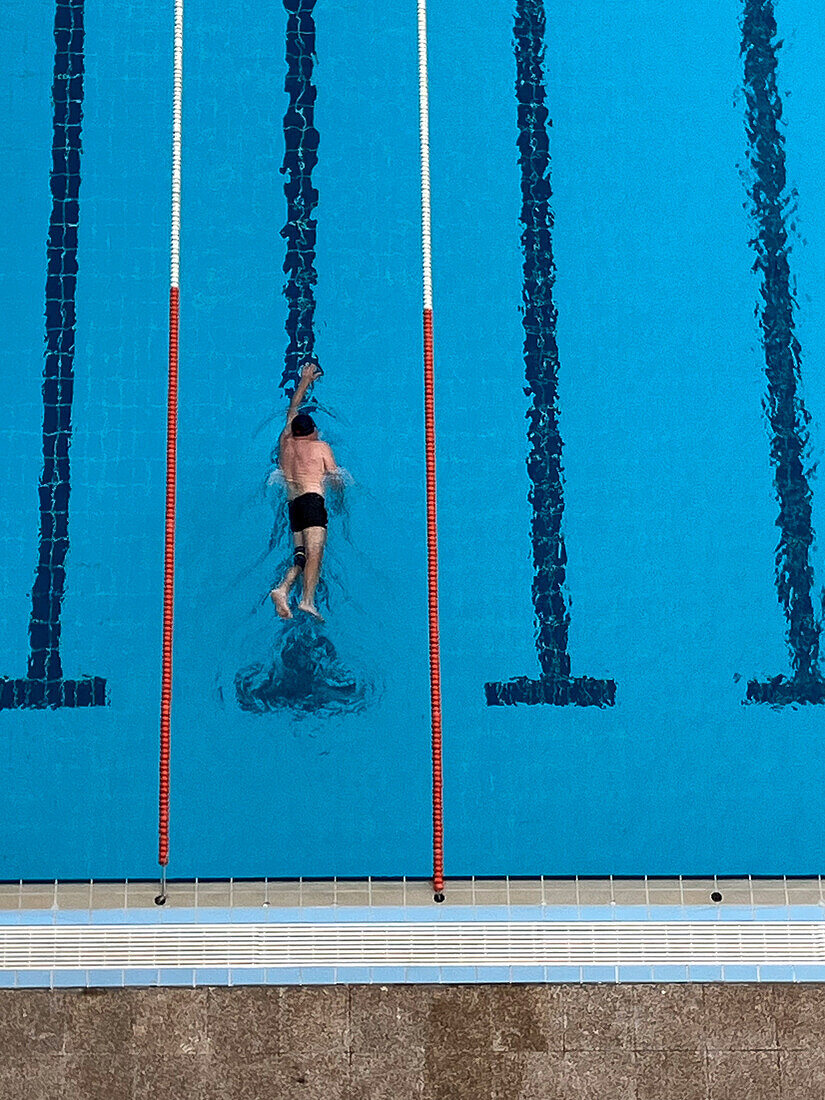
point(305, 462)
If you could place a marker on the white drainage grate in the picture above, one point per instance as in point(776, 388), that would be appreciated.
point(413, 943)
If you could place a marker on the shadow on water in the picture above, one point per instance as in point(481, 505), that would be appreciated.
point(302, 674)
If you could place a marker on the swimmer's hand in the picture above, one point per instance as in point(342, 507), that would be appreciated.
point(311, 371)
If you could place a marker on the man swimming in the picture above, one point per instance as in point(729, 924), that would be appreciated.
point(306, 462)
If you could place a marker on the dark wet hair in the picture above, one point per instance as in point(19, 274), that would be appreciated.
point(303, 424)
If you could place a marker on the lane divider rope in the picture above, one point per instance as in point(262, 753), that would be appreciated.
point(171, 457)
point(429, 427)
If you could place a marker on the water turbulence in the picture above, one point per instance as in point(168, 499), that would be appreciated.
point(302, 672)
point(303, 675)
point(787, 415)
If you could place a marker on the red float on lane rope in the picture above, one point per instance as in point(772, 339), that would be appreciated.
point(168, 577)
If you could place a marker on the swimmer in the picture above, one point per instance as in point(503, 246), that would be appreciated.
point(306, 462)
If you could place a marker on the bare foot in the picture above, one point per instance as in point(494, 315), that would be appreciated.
point(278, 597)
point(311, 609)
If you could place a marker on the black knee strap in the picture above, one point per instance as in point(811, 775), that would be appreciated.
point(300, 557)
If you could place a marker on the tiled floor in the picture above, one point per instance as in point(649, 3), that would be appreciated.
point(632, 1042)
point(409, 892)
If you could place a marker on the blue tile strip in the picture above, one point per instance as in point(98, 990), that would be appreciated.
point(44, 685)
point(412, 914)
point(81, 979)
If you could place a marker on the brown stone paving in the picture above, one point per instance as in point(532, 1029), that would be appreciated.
point(543, 1042)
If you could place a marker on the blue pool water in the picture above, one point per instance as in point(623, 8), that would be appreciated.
point(620, 423)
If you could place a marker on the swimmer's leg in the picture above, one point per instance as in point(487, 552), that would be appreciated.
point(314, 541)
point(280, 595)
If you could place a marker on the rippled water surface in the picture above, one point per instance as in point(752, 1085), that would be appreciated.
point(628, 241)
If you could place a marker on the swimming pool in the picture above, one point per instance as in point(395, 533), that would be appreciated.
point(611, 635)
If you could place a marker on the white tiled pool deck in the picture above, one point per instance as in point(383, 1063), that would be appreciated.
point(344, 931)
point(337, 893)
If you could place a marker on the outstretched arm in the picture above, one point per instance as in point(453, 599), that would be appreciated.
point(309, 372)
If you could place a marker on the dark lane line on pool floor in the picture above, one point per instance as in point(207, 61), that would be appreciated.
point(300, 157)
point(44, 685)
point(541, 359)
point(771, 205)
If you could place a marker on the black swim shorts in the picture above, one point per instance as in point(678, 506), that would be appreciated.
point(307, 510)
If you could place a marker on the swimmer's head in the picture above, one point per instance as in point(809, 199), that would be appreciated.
point(303, 425)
